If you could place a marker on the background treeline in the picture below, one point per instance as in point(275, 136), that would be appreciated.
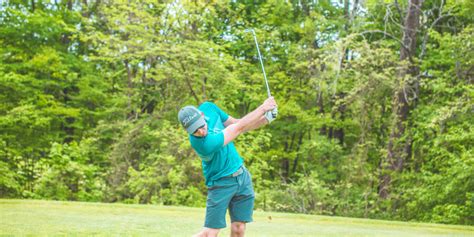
point(375, 100)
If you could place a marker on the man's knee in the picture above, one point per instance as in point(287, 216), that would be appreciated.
point(238, 228)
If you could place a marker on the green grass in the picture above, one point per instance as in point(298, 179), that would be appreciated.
point(47, 218)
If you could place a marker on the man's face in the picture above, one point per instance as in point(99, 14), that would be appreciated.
point(202, 131)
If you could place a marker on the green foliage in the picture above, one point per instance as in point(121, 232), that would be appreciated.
point(66, 175)
point(90, 93)
point(308, 195)
point(9, 187)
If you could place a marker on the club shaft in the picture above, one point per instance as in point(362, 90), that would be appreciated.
point(261, 63)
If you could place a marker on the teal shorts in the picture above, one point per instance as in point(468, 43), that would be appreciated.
point(233, 193)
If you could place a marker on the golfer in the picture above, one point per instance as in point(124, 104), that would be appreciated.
point(211, 132)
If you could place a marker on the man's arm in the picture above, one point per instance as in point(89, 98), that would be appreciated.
point(230, 121)
point(248, 122)
point(260, 122)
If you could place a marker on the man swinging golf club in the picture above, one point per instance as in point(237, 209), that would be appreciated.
point(211, 133)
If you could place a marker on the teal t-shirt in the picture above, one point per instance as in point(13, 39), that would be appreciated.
point(217, 160)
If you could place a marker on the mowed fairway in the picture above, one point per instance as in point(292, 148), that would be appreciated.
point(47, 218)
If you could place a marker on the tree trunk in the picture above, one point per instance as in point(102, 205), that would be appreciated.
point(300, 141)
point(399, 145)
point(190, 86)
point(339, 132)
point(204, 83)
point(285, 162)
point(323, 129)
point(85, 9)
point(65, 38)
point(129, 88)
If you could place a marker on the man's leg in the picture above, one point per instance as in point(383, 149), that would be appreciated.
point(241, 205)
point(207, 232)
point(237, 229)
point(218, 198)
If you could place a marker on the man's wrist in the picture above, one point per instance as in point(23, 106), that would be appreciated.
point(261, 110)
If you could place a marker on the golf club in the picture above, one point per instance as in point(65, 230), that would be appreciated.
point(274, 111)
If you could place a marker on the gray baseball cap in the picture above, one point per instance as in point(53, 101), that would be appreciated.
point(191, 119)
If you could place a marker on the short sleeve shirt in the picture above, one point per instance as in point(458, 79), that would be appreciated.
point(217, 160)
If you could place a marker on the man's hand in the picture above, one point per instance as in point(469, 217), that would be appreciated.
point(269, 104)
point(270, 108)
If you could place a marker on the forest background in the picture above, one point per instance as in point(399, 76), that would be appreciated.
point(375, 102)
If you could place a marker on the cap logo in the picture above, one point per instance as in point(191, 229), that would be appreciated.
point(188, 119)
